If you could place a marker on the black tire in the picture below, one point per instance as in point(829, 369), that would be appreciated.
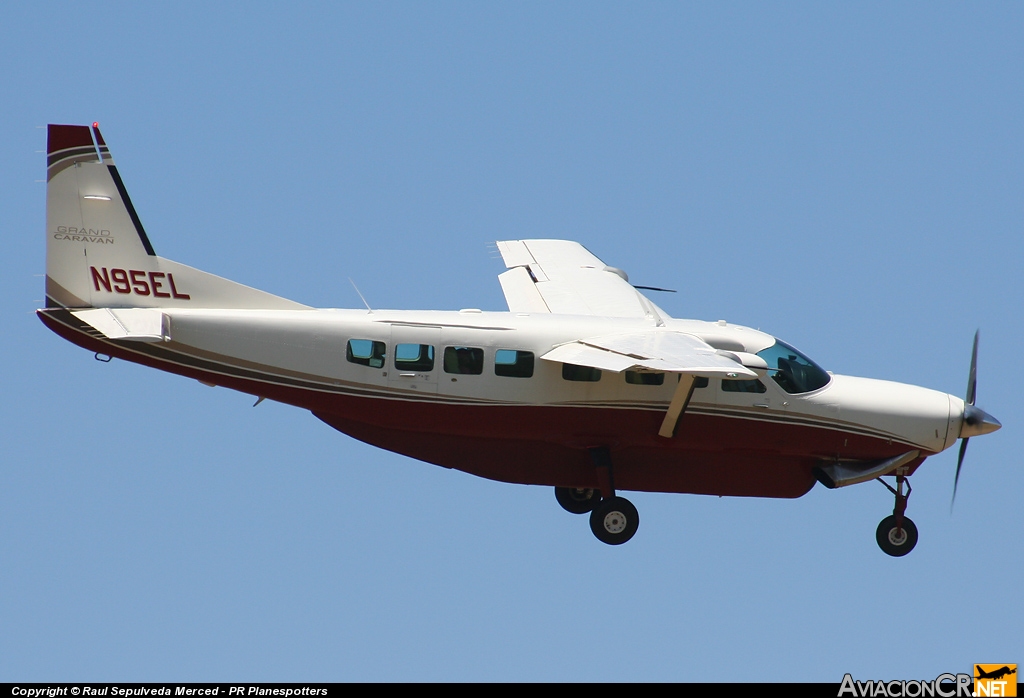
point(577, 500)
point(890, 539)
point(614, 520)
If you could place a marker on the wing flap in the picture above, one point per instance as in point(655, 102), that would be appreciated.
point(139, 324)
point(670, 352)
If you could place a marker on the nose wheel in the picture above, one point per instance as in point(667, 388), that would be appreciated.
point(895, 539)
point(897, 535)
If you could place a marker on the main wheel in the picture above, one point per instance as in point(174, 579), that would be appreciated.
point(576, 500)
point(894, 541)
point(614, 520)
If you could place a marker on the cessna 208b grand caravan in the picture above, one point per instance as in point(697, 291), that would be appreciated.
point(584, 385)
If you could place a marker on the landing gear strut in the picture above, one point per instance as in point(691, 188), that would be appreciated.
point(897, 534)
point(613, 519)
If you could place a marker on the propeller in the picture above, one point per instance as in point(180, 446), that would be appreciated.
point(975, 421)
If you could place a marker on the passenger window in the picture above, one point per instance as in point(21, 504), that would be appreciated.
point(645, 378)
point(572, 372)
point(414, 357)
point(464, 360)
point(513, 363)
point(700, 382)
point(366, 352)
point(751, 386)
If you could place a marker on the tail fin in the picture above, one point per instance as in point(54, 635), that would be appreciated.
point(97, 252)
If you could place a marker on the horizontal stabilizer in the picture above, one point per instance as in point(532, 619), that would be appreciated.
point(139, 324)
point(655, 350)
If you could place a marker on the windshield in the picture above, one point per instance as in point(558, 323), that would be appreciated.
point(793, 371)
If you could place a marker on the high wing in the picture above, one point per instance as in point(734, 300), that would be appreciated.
point(561, 276)
point(654, 350)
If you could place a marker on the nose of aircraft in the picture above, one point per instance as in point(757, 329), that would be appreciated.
point(977, 422)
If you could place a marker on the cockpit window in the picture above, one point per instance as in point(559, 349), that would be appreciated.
point(793, 371)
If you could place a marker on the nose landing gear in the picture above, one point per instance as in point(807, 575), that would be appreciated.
point(897, 535)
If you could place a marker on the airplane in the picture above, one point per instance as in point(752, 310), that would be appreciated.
point(584, 385)
point(995, 674)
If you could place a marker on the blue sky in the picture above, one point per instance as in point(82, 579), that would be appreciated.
point(845, 176)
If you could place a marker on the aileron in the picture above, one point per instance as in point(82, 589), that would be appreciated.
point(521, 292)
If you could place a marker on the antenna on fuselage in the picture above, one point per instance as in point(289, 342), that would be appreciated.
point(368, 308)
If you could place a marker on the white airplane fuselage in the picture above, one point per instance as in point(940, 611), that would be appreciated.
point(537, 429)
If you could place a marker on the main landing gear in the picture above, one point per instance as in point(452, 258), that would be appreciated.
point(613, 519)
point(577, 501)
point(897, 534)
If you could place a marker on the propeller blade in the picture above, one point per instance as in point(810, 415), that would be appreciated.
point(956, 480)
point(972, 380)
point(969, 412)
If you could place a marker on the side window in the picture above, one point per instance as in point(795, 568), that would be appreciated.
point(751, 386)
point(366, 352)
point(700, 382)
point(513, 364)
point(572, 372)
point(414, 357)
point(464, 360)
point(645, 378)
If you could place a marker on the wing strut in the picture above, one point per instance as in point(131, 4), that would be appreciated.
point(681, 398)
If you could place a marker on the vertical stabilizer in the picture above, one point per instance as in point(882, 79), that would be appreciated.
point(97, 252)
